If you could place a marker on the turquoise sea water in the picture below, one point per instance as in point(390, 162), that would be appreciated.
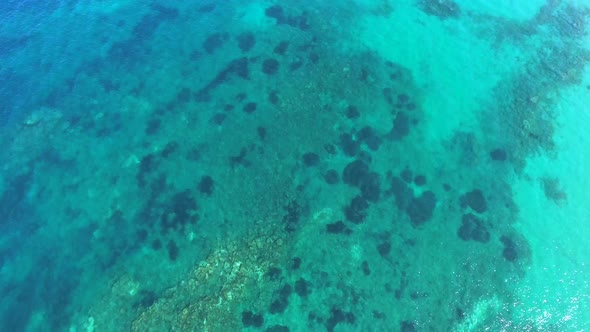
point(358, 165)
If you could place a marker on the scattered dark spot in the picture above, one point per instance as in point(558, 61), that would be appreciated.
point(156, 244)
point(510, 252)
point(145, 299)
point(273, 98)
point(552, 189)
point(421, 208)
point(355, 172)
point(447, 187)
point(459, 313)
point(240, 159)
point(349, 145)
point(378, 314)
point(443, 9)
point(356, 211)
point(420, 180)
point(368, 136)
point(169, 149)
point(238, 67)
point(207, 8)
point(352, 112)
point(407, 175)
point(261, 133)
point(142, 235)
point(249, 107)
point(146, 166)
point(270, 66)
point(314, 58)
point(251, 319)
point(274, 273)
point(295, 64)
point(214, 41)
point(473, 228)
point(296, 263)
point(206, 185)
point(498, 155)
point(218, 118)
point(172, 250)
point(371, 187)
point(302, 287)
point(365, 268)
point(193, 154)
point(281, 48)
point(180, 212)
point(388, 95)
point(311, 159)
point(330, 148)
point(277, 328)
point(403, 98)
point(291, 219)
point(331, 176)
point(153, 126)
point(275, 12)
point(338, 316)
point(407, 326)
point(401, 126)
point(402, 193)
point(475, 200)
point(228, 108)
point(184, 96)
point(336, 228)
point(246, 41)
point(240, 97)
point(384, 249)
point(282, 302)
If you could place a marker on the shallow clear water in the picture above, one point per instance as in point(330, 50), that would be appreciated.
point(279, 166)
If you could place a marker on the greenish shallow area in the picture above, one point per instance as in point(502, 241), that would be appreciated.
point(359, 165)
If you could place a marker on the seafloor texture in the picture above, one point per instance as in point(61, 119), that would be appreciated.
point(294, 165)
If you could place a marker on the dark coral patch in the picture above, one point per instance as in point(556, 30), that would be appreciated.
point(173, 250)
point(402, 192)
point(473, 228)
point(356, 211)
point(214, 41)
point(443, 9)
point(510, 252)
point(338, 316)
point(498, 155)
point(281, 48)
point(302, 287)
point(352, 112)
point(420, 180)
point(246, 41)
point(421, 208)
point(371, 187)
point(401, 126)
point(311, 159)
point(337, 228)
point(250, 107)
point(270, 66)
point(251, 319)
point(206, 185)
point(355, 172)
point(218, 118)
point(475, 200)
point(384, 249)
point(349, 145)
point(331, 176)
point(368, 136)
